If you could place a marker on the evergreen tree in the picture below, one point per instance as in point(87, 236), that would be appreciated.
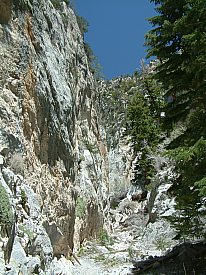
point(83, 24)
point(178, 40)
point(143, 123)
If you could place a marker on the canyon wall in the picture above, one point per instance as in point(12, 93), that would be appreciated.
point(57, 167)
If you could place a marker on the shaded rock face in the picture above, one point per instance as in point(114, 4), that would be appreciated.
point(5, 11)
point(49, 123)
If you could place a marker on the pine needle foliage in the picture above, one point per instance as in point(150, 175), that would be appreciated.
point(178, 40)
point(144, 122)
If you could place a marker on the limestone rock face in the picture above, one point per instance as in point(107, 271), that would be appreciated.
point(50, 133)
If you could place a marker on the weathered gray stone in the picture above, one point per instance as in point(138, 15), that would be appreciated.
point(61, 266)
point(41, 246)
point(2, 265)
point(33, 265)
point(18, 258)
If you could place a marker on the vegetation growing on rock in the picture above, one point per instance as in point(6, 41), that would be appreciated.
point(6, 214)
point(144, 122)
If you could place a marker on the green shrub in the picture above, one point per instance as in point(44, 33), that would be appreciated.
point(82, 23)
point(80, 208)
point(81, 251)
point(91, 147)
point(81, 158)
point(56, 4)
point(27, 231)
point(161, 243)
point(104, 238)
point(6, 214)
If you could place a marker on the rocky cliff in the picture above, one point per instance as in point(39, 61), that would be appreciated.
point(54, 155)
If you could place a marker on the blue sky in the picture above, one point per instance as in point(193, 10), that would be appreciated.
point(116, 32)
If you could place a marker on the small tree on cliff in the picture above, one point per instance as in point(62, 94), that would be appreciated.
point(143, 123)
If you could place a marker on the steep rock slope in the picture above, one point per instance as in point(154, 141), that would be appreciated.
point(50, 134)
